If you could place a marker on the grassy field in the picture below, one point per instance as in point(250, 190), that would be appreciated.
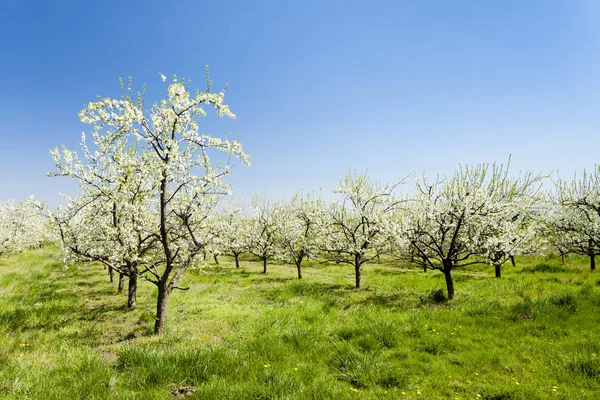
point(239, 334)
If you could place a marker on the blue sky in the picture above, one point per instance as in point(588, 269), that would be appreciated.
point(319, 87)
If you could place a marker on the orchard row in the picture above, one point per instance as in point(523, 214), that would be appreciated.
point(22, 226)
point(149, 205)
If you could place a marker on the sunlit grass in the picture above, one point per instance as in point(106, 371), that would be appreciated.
point(237, 334)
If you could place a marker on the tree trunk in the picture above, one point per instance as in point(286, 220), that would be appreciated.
point(161, 310)
point(497, 267)
point(237, 260)
point(265, 265)
point(121, 282)
point(591, 254)
point(299, 263)
point(357, 260)
point(449, 281)
point(132, 291)
point(512, 261)
point(111, 274)
point(163, 288)
point(216, 258)
point(562, 256)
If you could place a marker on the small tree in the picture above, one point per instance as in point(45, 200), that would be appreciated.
point(571, 233)
point(517, 227)
point(231, 232)
point(452, 220)
point(577, 214)
point(22, 226)
point(264, 228)
point(354, 234)
point(299, 236)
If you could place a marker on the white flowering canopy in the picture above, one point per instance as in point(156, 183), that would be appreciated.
point(480, 211)
point(576, 218)
point(264, 227)
point(355, 232)
point(301, 235)
point(22, 225)
point(480, 214)
point(231, 227)
point(148, 186)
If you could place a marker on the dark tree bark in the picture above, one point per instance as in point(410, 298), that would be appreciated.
point(592, 254)
point(299, 263)
point(216, 258)
point(497, 267)
point(121, 282)
point(449, 281)
point(132, 291)
point(162, 283)
point(299, 267)
point(357, 263)
point(161, 310)
point(264, 265)
point(512, 261)
point(237, 260)
point(111, 274)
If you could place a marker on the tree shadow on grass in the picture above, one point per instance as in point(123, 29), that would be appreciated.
point(317, 289)
point(393, 301)
point(396, 270)
point(56, 314)
point(269, 279)
point(68, 301)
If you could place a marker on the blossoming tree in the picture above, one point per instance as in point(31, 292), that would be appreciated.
point(354, 233)
point(173, 158)
point(232, 235)
point(264, 228)
point(452, 220)
point(577, 214)
point(515, 229)
point(300, 234)
point(570, 233)
point(22, 225)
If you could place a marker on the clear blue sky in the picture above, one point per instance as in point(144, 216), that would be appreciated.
point(319, 87)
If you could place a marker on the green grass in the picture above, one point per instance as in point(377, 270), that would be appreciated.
point(238, 334)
